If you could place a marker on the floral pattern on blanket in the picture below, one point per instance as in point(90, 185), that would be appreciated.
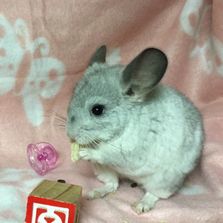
point(195, 20)
point(42, 78)
point(13, 185)
point(44, 49)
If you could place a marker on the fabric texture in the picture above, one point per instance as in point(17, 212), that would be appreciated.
point(45, 46)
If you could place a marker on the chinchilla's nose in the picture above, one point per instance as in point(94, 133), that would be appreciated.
point(73, 135)
point(70, 135)
point(72, 140)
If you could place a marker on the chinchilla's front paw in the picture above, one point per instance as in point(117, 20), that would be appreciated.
point(142, 207)
point(102, 191)
point(95, 194)
point(85, 154)
point(146, 204)
point(90, 155)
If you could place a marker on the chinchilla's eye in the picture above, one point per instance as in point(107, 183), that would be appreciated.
point(97, 109)
point(72, 119)
point(130, 92)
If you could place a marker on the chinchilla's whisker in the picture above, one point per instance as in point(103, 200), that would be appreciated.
point(90, 139)
point(93, 141)
point(96, 142)
point(116, 147)
point(60, 117)
point(60, 121)
point(60, 127)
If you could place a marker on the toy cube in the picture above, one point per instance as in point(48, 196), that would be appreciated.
point(53, 202)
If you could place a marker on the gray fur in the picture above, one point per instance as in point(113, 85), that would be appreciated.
point(99, 56)
point(151, 134)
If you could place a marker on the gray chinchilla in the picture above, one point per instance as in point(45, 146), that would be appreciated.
point(131, 126)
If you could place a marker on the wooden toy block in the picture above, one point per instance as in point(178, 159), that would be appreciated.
point(54, 202)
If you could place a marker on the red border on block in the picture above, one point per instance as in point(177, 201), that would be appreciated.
point(32, 199)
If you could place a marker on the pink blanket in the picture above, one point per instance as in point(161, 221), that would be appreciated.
point(44, 48)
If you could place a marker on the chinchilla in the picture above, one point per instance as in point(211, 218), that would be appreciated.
point(129, 125)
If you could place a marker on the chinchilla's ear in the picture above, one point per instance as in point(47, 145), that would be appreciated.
point(143, 73)
point(99, 56)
